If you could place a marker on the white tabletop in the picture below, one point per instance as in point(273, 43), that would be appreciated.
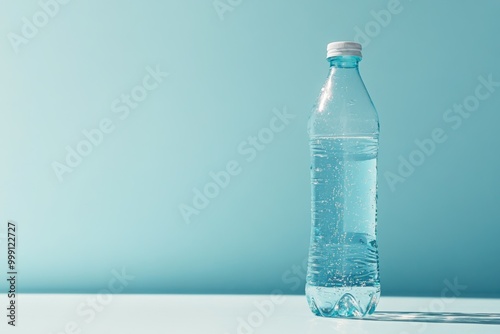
point(241, 314)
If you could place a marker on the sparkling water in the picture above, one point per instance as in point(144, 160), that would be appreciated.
point(343, 273)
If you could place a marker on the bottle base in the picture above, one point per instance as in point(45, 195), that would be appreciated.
point(342, 302)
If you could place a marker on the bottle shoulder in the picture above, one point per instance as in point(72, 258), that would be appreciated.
point(344, 106)
point(337, 118)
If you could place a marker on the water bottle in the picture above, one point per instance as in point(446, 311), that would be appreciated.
point(343, 270)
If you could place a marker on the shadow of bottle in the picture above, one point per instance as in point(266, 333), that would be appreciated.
point(437, 317)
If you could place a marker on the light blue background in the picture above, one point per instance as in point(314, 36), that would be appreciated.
point(120, 207)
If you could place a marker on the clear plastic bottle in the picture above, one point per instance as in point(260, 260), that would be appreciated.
point(343, 269)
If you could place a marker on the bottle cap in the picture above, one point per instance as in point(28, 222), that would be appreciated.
point(343, 49)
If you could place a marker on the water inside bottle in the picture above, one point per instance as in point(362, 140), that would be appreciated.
point(343, 273)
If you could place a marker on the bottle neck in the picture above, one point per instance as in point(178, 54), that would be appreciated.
point(343, 80)
point(344, 62)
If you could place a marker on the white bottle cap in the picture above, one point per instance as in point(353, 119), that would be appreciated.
point(343, 49)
